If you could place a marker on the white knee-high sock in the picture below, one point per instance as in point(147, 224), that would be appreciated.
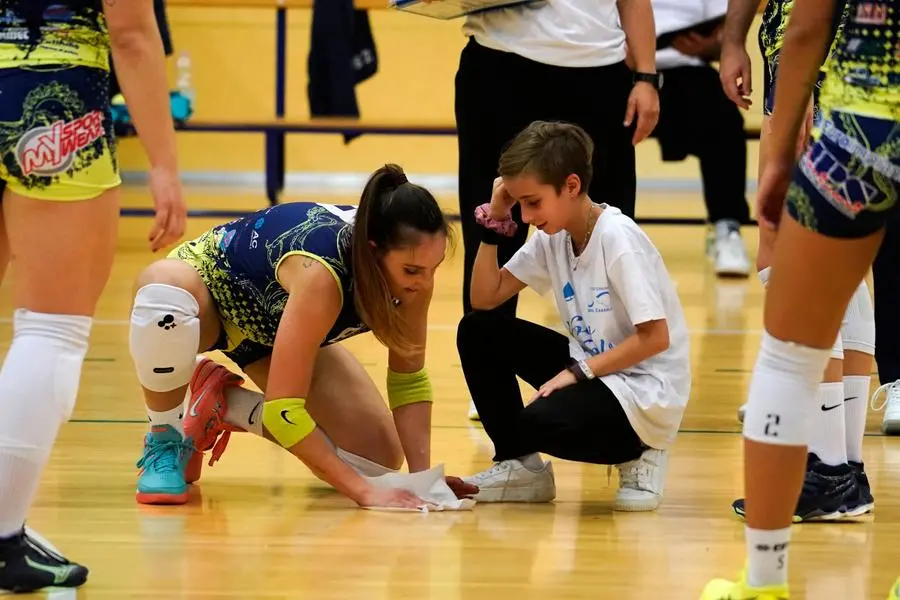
point(827, 437)
point(244, 409)
point(38, 386)
point(856, 403)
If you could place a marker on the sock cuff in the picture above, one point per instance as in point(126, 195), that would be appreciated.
point(857, 378)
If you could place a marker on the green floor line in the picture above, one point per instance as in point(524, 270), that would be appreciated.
point(694, 431)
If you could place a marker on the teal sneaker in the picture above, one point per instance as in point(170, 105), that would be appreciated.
point(161, 480)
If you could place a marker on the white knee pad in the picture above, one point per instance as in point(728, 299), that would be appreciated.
point(165, 333)
point(783, 392)
point(764, 276)
point(59, 341)
point(858, 325)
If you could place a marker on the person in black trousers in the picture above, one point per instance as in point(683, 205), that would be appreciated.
point(697, 118)
point(528, 63)
point(886, 280)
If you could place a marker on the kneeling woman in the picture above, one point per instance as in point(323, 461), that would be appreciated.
point(613, 391)
point(274, 291)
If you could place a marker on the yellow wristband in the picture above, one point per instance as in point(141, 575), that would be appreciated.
point(287, 421)
point(408, 388)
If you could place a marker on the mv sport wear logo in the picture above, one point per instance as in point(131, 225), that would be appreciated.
point(51, 150)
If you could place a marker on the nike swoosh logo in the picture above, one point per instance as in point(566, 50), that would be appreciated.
point(251, 418)
point(850, 398)
point(197, 403)
point(284, 416)
point(827, 408)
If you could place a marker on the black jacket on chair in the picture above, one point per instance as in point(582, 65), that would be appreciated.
point(341, 54)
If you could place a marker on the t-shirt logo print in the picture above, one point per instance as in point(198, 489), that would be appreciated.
point(601, 300)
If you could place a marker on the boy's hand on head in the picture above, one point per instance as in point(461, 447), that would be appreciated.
point(501, 201)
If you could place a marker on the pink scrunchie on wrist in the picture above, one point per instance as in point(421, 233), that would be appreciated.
point(505, 227)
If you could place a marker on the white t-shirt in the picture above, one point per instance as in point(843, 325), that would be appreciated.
point(565, 33)
point(672, 15)
point(620, 280)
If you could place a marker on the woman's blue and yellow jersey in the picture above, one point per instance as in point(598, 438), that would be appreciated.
point(863, 75)
point(239, 261)
point(56, 134)
point(53, 32)
point(771, 39)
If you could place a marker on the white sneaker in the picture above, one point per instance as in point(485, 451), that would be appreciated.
point(741, 412)
point(891, 405)
point(473, 412)
point(642, 482)
point(511, 481)
point(730, 255)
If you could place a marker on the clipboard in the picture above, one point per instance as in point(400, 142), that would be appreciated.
point(705, 28)
point(453, 9)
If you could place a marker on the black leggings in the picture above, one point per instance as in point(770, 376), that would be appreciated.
point(886, 278)
point(583, 422)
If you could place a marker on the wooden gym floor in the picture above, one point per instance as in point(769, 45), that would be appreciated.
point(260, 526)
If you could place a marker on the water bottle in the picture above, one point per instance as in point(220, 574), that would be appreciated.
point(183, 97)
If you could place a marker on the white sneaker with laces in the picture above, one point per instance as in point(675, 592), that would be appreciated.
point(642, 482)
point(511, 481)
point(730, 255)
point(891, 405)
point(473, 412)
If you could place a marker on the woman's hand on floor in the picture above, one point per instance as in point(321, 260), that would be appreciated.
point(461, 488)
point(565, 378)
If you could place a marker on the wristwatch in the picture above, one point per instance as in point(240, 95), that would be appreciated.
point(581, 370)
point(654, 79)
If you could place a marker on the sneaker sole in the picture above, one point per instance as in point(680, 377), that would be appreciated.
point(636, 506)
point(860, 510)
point(158, 498)
point(520, 495)
point(821, 516)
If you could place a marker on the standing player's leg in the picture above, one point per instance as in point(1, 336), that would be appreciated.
point(858, 335)
point(60, 219)
point(820, 258)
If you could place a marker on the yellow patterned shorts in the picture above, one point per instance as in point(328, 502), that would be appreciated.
point(202, 253)
point(56, 133)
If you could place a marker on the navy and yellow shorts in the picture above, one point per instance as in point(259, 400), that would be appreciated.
point(56, 135)
point(847, 181)
point(234, 341)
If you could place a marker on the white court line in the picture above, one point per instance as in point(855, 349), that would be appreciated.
point(450, 327)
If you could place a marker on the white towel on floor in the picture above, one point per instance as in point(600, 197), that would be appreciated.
point(429, 485)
